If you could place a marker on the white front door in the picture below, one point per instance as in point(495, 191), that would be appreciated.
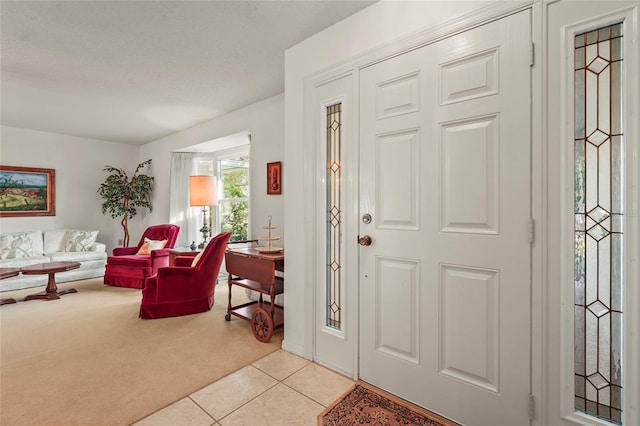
point(445, 176)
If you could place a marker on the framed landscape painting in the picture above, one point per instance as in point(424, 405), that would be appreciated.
point(27, 191)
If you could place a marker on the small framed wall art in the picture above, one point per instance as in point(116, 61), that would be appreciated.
point(274, 178)
point(27, 191)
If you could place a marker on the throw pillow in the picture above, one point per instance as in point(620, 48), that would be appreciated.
point(196, 259)
point(149, 245)
point(15, 246)
point(80, 240)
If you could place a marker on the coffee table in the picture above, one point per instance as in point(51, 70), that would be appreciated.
point(8, 273)
point(51, 292)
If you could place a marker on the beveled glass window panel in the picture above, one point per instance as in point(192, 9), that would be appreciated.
point(334, 217)
point(598, 227)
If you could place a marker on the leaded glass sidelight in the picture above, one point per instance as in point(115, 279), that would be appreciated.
point(334, 216)
point(598, 223)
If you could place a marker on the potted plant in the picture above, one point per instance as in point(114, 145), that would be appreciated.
point(124, 195)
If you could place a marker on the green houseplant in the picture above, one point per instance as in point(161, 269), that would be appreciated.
point(123, 195)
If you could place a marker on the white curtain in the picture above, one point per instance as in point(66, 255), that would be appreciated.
point(183, 165)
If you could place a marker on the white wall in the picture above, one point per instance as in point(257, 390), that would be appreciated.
point(265, 121)
point(78, 164)
point(349, 40)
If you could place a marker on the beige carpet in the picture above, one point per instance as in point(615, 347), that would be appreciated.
point(87, 359)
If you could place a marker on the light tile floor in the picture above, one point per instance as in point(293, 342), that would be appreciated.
point(279, 389)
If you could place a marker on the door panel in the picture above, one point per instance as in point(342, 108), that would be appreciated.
point(445, 174)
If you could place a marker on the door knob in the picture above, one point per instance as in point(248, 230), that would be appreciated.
point(364, 241)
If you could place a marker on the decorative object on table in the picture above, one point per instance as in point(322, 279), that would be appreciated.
point(27, 191)
point(203, 193)
point(269, 248)
point(123, 196)
point(274, 178)
point(193, 246)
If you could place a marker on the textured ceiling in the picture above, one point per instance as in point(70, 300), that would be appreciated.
point(134, 71)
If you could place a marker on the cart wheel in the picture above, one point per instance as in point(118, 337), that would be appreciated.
point(227, 316)
point(262, 325)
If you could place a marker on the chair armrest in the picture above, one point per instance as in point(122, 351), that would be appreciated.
point(124, 251)
point(175, 271)
point(159, 252)
point(159, 259)
point(151, 282)
point(179, 283)
point(183, 260)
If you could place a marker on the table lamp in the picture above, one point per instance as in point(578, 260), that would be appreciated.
point(203, 193)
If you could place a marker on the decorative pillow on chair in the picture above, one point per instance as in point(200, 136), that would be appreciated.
point(15, 246)
point(196, 259)
point(149, 245)
point(80, 240)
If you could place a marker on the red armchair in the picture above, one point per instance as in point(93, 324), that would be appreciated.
point(126, 268)
point(183, 289)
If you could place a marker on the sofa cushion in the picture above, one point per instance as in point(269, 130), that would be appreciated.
point(55, 240)
point(78, 240)
point(23, 261)
point(77, 256)
point(16, 245)
point(196, 259)
point(149, 245)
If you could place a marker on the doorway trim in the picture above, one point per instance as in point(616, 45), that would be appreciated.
point(353, 66)
point(589, 20)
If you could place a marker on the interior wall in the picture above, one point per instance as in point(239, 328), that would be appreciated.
point(265, 122)
point(78, 164)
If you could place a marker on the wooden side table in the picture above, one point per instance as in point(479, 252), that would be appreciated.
point(251, 269)
point(51, 292)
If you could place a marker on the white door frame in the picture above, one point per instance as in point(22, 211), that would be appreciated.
point(311, 139)
point(546, 272)
point(558, 333)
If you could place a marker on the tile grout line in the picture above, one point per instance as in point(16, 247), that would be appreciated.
point(278, 381)
point(205, 411)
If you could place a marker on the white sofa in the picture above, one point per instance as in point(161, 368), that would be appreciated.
point(18, 249)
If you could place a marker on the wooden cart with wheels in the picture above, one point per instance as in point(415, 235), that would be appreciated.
point(248, 268)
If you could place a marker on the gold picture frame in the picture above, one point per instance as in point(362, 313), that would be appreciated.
point(27, 191)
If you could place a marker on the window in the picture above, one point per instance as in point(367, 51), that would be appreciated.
point(233, 198)
point(598, 252)
point(232, 212)
point(334, 216)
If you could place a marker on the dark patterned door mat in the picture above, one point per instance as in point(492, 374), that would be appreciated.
point(364, 404)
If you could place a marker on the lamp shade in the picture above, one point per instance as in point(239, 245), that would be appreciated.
point(202, 191)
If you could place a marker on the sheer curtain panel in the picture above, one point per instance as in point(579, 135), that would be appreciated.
point(183, 165)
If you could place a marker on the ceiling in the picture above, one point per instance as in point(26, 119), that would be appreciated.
point(135, 71)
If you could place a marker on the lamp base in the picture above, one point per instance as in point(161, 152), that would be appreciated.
point(204, 229)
